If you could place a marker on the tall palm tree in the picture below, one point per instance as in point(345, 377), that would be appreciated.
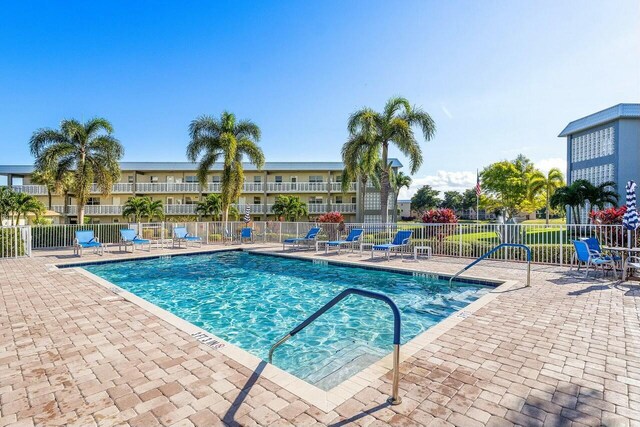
point(547, 184)
point(289, 207)
point(211, 206)
point(398, 182)
point(136, 208)
point(360, 157)
point(25, 204)
point(393, 126)
point(153, 209)
point(48, 179)
point(227, 139)
point(65, 183)
point(7, 204)
point(88, 150)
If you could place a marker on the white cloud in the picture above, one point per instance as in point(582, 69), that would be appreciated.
point(442, 181)
point(554, 162)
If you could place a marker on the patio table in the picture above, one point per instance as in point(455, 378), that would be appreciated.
point(622, 251)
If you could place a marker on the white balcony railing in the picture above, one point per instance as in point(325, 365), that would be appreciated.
point(307, 187)
point(71, 209)
point(179, 209)
point(119, 187)
point(253, 208)
point(35, 190)
point(167, 187)
point(343, 207)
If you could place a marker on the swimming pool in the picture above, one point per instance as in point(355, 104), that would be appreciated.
point(252, 300)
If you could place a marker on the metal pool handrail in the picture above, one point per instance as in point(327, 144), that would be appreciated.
point(503, 245)
point(394, 399)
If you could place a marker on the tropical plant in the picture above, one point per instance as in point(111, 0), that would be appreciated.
point(227, 139)
point(211, 206)
point(7, 203)
point(88, 150)
point(398, 181)
point(331, 217)
point(601, 195)
point(65, 182)
point(135, 208)
point(547, 185)
point(154, 209)
point(393, 126)
point(505, 185)
point(360, 156)
point(440, 216)
point(610, 216)
point(289, 207)
point(48, 179)
point(573, 196)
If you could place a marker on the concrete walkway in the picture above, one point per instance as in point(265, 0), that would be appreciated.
point(565, 351)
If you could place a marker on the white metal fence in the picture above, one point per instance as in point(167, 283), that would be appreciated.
point(550, 244)
point(15, 241)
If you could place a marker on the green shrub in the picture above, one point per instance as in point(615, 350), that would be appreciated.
point(9, 238)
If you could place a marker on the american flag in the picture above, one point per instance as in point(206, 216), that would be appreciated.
point(478, 188)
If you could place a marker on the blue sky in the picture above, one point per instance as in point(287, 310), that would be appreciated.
point(498, 77)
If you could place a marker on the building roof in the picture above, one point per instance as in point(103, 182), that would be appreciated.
point(189, 166)
point(620, 111)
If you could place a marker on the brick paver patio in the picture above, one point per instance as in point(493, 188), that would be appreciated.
point(564, 352)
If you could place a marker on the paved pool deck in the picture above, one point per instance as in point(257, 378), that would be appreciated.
point(565, 351)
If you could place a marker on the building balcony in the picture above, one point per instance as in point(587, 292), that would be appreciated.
point(307, 187)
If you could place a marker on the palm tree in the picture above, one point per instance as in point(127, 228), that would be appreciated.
point(135, 207)
point(398, 181)
point(25, 204)
point(64, 184)
point(48, 179)
point(394, 125)
point(289, 207)
point(574, 196)
point(7, 204)
point(602, 194)
point(226, 138)
point(87, 150)
point(549, 183)
point(360, 157)
point(153, 209)
point(211, 206)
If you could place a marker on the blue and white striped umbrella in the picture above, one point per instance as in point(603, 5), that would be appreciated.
point(630, 219)
point(247, 214)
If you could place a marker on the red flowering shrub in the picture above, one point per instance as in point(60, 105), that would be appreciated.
point(334, 217)
point(440, 216)
point(608, 216)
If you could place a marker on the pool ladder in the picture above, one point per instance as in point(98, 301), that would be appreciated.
point(497, 248)
point(394, 399)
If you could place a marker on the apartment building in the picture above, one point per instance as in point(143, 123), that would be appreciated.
point(604, 146)
point(318, 184)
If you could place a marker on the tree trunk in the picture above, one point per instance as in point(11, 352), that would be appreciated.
point(362, 195)
point(50, 197)
point(384, 185)
point(65, 208)
point(80, 212)
point(547, 210)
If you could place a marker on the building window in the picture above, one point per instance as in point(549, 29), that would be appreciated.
point(130, 179)
point(315, 178)
point(278, 179)
point(93, 201)
point(190, 178)
point(338, 199)
point(315, 200)
point(190, 200)
point(338, 178)
point(257, 179)
point(599, 143)
point(354, 200)
point(256, 200)
point(215, 178)
point(153, 178)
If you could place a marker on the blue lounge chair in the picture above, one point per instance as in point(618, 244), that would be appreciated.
point(594, 248)
point(353, 239)
point(86, 239)
point(180, 235)
point(246, 234)
point(128, 237)
point(399, 243)
point(311, 236)
point(585, 256)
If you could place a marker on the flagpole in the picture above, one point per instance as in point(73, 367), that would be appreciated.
point(477, 198)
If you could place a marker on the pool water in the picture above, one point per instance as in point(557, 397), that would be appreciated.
point(253, 300)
